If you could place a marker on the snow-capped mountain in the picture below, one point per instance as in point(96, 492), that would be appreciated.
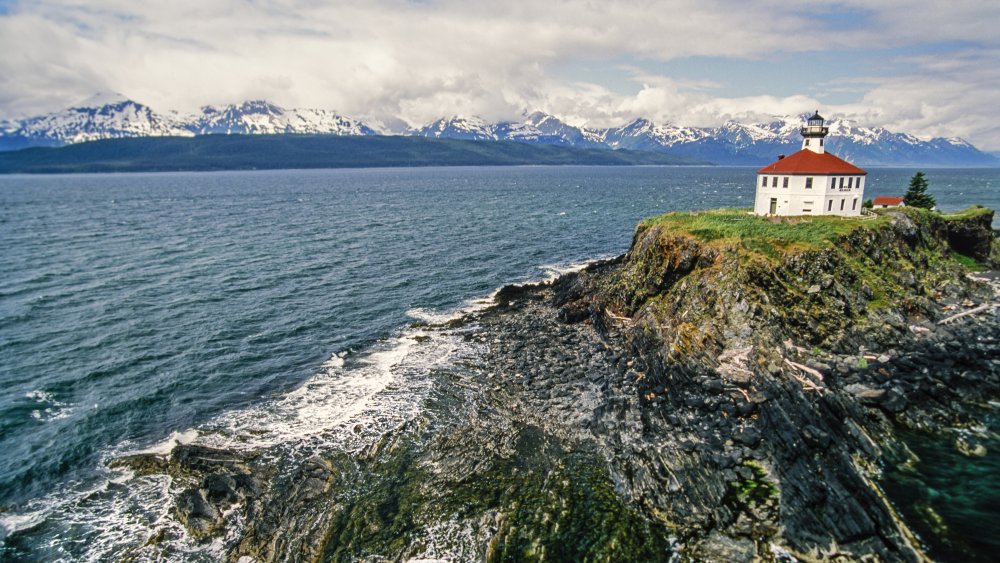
point(736, 143)
point(105, 116)
point(113, 116)
point(537, 128)
point(554, 128)
point(262, 117)
point(760, 143)
point(457, 127)
point(732, 143)
point(643, 134)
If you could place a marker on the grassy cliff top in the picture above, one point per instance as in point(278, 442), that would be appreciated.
point(970, 213)
point(774, 235)
point(725, 226)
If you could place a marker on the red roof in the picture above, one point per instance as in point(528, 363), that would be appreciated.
point(886, 200)
point(808, 162)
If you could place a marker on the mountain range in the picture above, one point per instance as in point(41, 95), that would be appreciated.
point(733, 143)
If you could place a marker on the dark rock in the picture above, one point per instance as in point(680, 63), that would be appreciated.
point(509, 293)
point(867, 395)
point(894, 401)
point(816, 437)
point(675, 441)
point(748, 436)
point(746, 408)
point(221, 489)
point(197, 514)
point(713, 386)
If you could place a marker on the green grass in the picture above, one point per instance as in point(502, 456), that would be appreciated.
point(969, 262)
point(757, 489)
point(765, 235)
point(970, 213)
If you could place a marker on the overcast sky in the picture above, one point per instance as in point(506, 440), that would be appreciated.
point(930, 68)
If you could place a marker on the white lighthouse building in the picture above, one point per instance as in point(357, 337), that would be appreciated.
point(811, 181)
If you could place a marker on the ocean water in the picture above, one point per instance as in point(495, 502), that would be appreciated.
point(273, 307)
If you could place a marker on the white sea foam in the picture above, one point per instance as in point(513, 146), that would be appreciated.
point(49, 408)
point(553, 271)
point(432, 317)
point(335, 361)
point(348, 404)
point(451, 540)
point(172, 441)
point(367, 395)
point(11, 522)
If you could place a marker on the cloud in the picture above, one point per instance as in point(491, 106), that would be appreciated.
point(388, 59)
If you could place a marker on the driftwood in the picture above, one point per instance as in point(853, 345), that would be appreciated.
point(617, 317)
point(745, 394)
point(806, 383)
point(979, 309)
point(806, 369)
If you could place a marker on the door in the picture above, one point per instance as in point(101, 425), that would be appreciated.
point(774, 205)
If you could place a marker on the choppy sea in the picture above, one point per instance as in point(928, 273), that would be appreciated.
point(263, 308)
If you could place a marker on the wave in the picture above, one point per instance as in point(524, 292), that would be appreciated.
point(49, 408)
point(348, 404)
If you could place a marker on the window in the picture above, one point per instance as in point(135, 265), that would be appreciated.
point(858, 183)
point(854, 205)
point(774, 183)
point(784, 182)
point(841, 183)
point(850, 183)
point(763, 181)
point(842, 200)
point(833, 183)
point(807, 142)
point(809, 183)
point(829, 206)
point(821, 142)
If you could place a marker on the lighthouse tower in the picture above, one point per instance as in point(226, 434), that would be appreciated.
point(814, 133)
point(811, 181)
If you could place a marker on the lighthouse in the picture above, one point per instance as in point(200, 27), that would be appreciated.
point(811, 181)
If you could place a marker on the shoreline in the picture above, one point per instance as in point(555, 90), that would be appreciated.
point(554, 421)
point(524, 391)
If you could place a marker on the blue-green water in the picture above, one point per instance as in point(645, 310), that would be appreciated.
point(136, 307)
point(951, 499)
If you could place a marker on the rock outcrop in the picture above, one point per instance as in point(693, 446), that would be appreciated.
point(712, 397)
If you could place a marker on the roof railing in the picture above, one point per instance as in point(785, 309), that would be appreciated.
point(814, 130)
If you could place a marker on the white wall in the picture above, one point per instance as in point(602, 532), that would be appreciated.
point(796, 199)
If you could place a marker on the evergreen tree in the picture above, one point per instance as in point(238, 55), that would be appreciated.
point(916, 195)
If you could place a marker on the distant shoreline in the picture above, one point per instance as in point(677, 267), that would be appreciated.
point(303, 152)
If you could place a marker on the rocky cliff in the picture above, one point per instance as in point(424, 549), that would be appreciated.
point(787, 358)
point(725, 391)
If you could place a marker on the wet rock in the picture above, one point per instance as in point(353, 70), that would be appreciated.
point(197, 514)
point(221, 489)
point(142, 464)
point(970, 448)
point(676, 437)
